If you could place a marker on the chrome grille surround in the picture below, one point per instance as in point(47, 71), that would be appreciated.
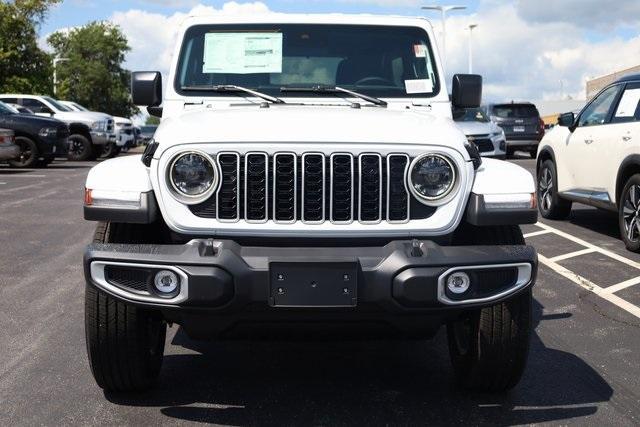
point(443, 220)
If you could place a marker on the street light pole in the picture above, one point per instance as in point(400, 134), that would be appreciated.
point(55, 73)
point(471, 27)
point(443, 12)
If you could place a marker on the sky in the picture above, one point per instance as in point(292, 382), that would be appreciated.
point(525, 49)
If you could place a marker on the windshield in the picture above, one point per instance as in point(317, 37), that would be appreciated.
point(58, 106)
point(6, 109)
point(470, 115)
point(148, 129)
point(380, 61)
point(515, 111)
point(79, 107)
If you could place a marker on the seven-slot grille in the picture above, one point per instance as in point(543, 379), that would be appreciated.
point(312, 188)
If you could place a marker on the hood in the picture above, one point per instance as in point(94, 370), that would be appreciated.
point(291, 123)
point(477, 128)
point(82, 116)
point(32, 120)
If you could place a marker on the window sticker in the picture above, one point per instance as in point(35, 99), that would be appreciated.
point(628, 103)
point(420, 50)
point(242, 53)
point(419, 86)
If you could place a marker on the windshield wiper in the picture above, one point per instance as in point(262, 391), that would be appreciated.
point(234, 88)
point(335, 89)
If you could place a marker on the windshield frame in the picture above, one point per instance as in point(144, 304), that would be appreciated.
point(57, 105)
point(7, 109)
point(275, 91)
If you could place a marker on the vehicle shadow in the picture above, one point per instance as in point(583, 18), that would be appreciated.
point(381, 383)
point(600, 221)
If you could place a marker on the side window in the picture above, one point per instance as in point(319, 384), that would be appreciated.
point(9, 100)
point(598, 111)
point(35, 105)
point(628, 109)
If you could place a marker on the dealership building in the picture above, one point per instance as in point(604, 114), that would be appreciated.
point(596, 85)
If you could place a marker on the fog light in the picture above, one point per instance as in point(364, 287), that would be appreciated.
point(166, 282)
point(458, 283)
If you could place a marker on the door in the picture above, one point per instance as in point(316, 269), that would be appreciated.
point(585, 145)
point(624, 136)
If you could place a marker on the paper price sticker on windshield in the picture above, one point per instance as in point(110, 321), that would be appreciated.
point(242, 53)
point(420, 50)
point(419, 86)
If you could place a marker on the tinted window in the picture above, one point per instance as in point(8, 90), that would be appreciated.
point(5, 109)
point(515, 111)
point(628, 109)
point(470, 115)
point(598, 111)
point(10, 100)
point(376, 60)
point(35, 105)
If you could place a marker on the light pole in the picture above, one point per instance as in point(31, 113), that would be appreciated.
point(443, 12)
point(471, 27)
point(55, 73)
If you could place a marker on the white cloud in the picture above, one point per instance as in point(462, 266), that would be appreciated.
point(585, 13)
point(152, 36)
point(523, 59)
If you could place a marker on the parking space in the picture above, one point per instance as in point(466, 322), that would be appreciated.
point(584, 363)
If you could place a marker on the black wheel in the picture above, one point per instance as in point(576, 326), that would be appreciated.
point(80, 148)
point(125, 344)
point(629, 214)
point(551, 205)
point(110, 151)
point(489, 347)
point(28, 154)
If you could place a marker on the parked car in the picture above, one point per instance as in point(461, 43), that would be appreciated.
point(8, 148)
point(124, 133)
point(266, 207)
point(146, 133)
point(89, 131)
point(594, 158)
point(522, 125)
point(20, 109)
point(39, 138)
point(488, 137)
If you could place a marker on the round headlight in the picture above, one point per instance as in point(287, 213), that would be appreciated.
point(193, 176)
point(432, 177)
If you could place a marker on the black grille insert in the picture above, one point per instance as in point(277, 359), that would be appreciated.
point(398, 209)
point(284, 185)
point(370, 188)
point(132, 279)
point(313, 188)
point(256, 172)
point(342, 188)
point(228, 194)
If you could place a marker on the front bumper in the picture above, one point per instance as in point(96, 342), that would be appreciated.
point(103, 138)
point(238, 284)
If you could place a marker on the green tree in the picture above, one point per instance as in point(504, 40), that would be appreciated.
point(93, 76)
point(24, 67)
point(152, 120)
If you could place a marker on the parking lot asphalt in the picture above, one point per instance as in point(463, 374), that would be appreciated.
point(584, 363)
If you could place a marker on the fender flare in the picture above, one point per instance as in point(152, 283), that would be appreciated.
point(503, 194)
point(545, 152)
point(629, 166)
point(120, 190)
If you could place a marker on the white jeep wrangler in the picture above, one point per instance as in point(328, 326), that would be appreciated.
point(307, 177)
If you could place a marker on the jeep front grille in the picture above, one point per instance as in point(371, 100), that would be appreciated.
point(312, 188)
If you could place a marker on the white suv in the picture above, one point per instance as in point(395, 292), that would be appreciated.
point(307, 177)
point(594, 158)
point(90, 131)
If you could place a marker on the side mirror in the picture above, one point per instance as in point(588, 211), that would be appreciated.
point(567, 120)
point(146, 88)
point(466, 91)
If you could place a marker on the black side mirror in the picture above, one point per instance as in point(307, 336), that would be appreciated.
point(146, 88)
point(567, 120)
point(466, 91)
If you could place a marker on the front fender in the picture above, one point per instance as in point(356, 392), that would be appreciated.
point(502, 194)
point(119, 190)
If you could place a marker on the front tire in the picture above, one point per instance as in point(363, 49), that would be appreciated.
point(28, 154)
point(125, 344)
point(629, 214)
point(489, 347)
point(80, 148)
point(110, 151)
point(551, 205)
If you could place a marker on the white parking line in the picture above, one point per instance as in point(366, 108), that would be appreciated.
point(604, 293)
point(23, 175)
point(537, 233)
point(623, 285)
point(573, 254)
